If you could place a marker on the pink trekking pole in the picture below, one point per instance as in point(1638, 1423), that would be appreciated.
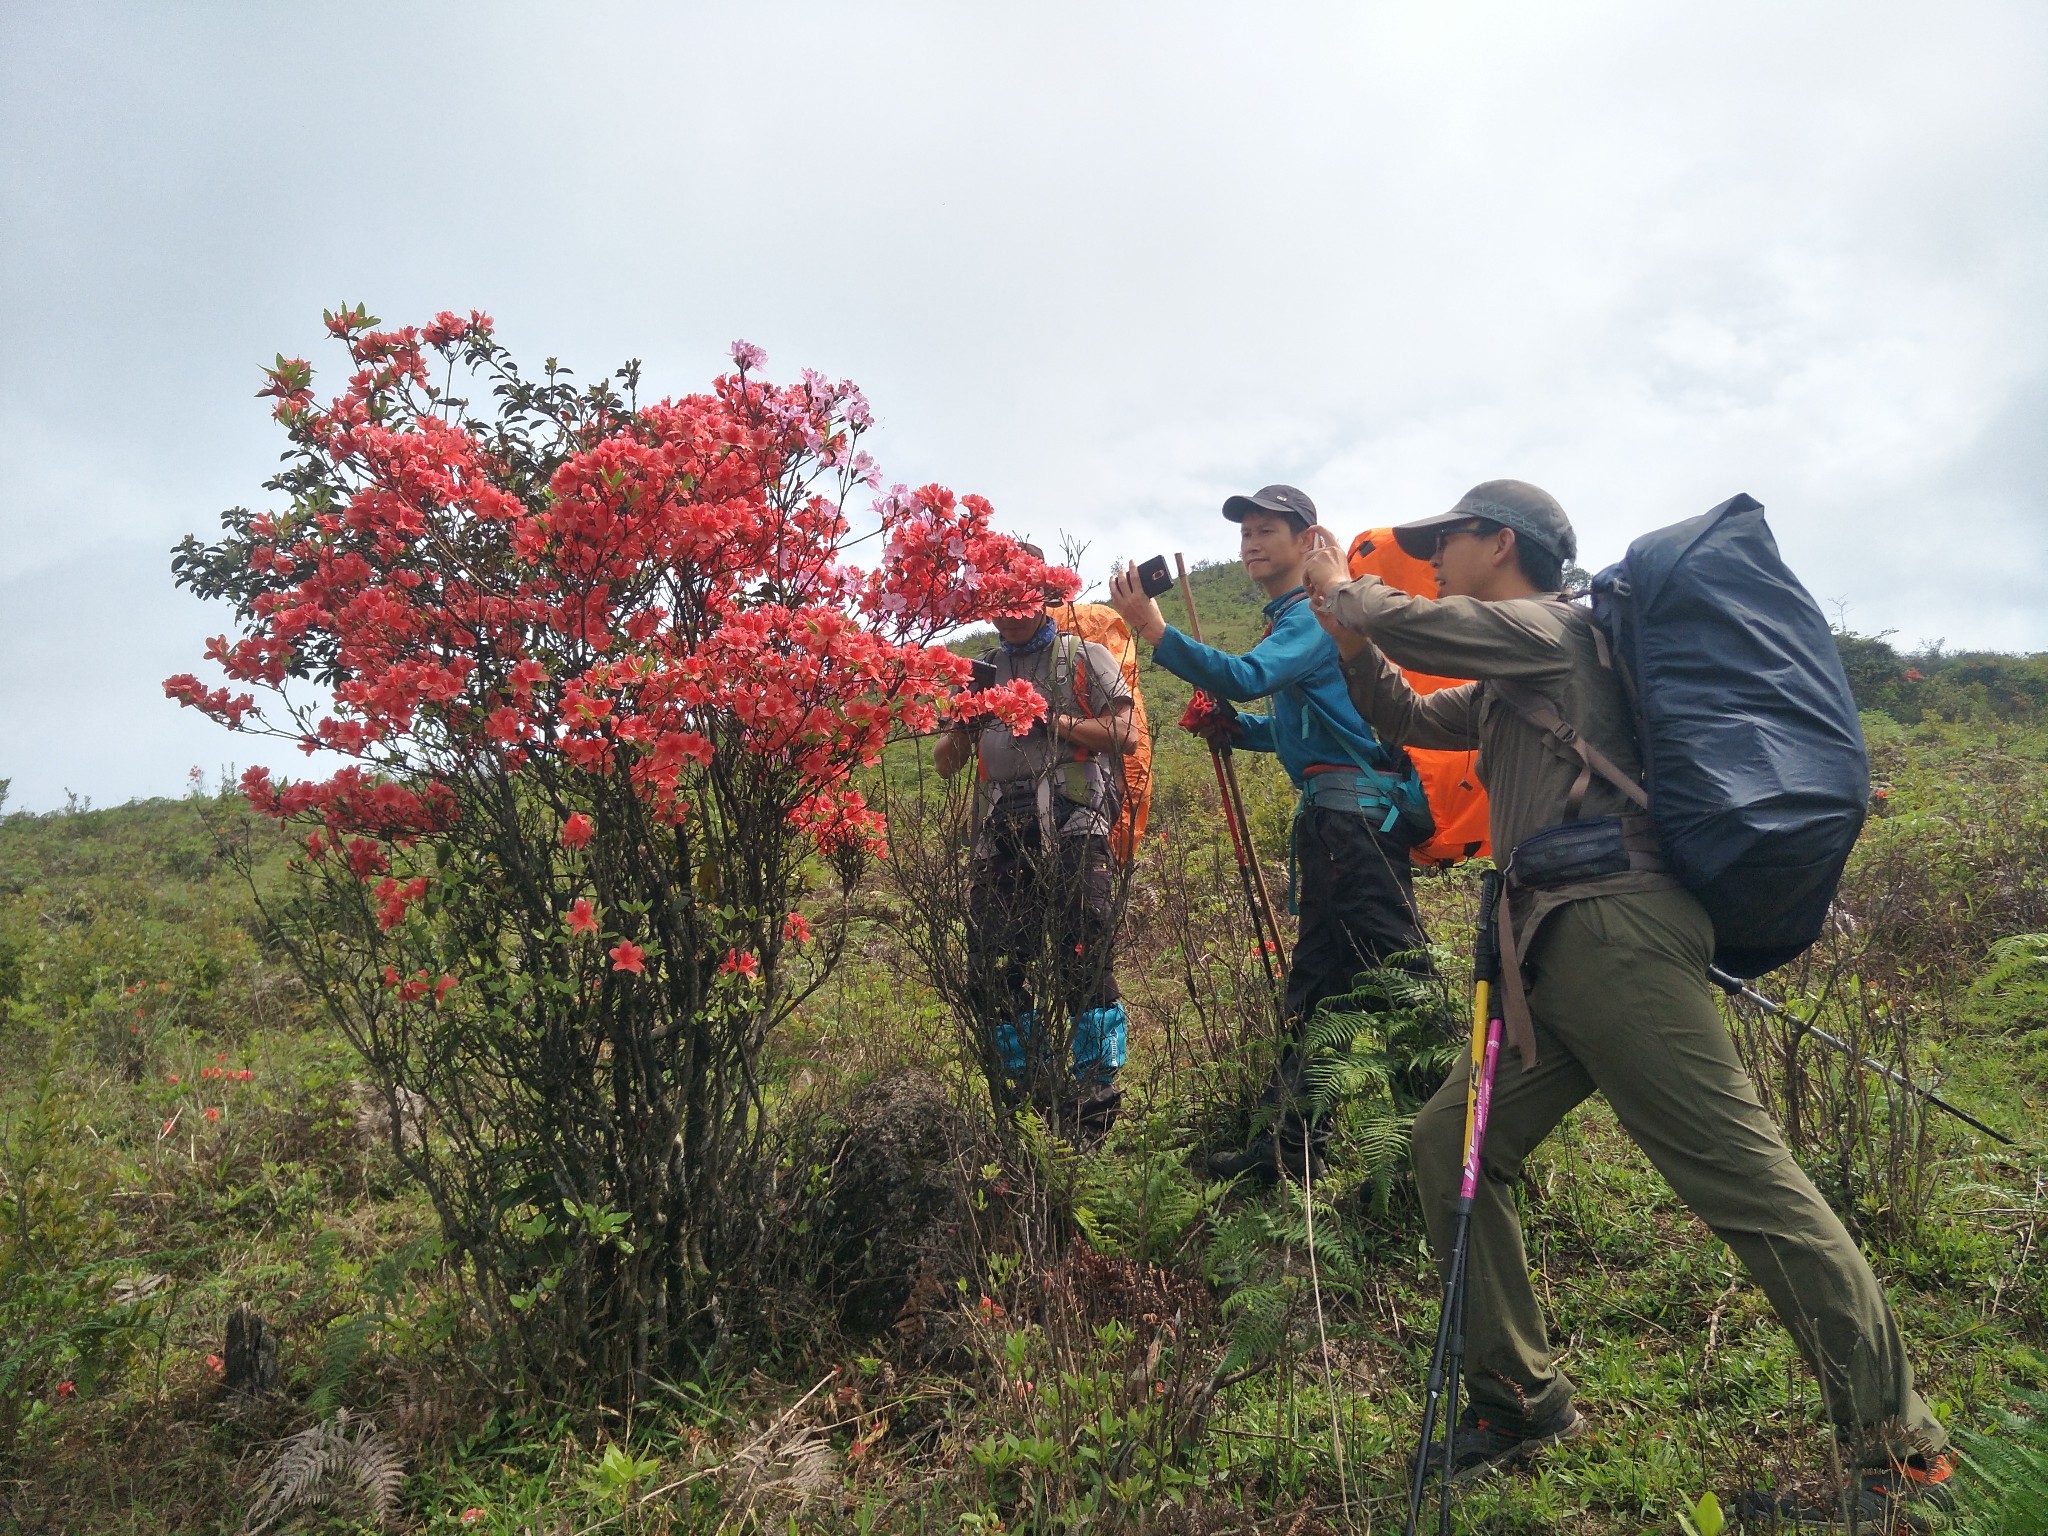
point(1449, 1354)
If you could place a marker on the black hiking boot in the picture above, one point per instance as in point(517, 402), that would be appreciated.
point(1089, 1117)
point(1483, 1442)
point(1909, 1495)
point(1262, 1161)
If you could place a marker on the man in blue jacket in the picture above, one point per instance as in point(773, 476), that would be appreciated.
point(1361, 809)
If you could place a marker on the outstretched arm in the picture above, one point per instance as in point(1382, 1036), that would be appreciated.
point(1446, 720)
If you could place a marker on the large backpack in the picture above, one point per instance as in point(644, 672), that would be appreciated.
point(1752, 752)
point(1105, 627)
point(1457, 801)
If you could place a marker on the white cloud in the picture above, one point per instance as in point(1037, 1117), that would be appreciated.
point(1104, 264)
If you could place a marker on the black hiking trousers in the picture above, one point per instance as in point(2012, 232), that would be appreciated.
point(1355, 892)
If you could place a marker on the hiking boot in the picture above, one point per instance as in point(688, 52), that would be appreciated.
point(1483, 1442)
point(1909, 1495)
point(1088, 1117)
point(1262, 1161)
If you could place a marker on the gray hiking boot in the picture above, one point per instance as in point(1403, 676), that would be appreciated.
point(1910, 1495)
point(1483, 1442)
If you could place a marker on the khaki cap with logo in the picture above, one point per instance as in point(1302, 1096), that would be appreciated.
point(1533, 513)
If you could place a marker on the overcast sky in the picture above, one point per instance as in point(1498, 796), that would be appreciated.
point(1102, 263)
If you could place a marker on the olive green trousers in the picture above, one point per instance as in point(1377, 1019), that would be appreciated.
point(1621, 1006)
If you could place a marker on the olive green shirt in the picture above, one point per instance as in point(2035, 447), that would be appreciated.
point(1544, 643)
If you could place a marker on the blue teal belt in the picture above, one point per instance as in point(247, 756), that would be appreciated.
point(1347, 790)
point(1361, 794)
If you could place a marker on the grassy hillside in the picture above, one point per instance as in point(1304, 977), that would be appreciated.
point(1056, 1341)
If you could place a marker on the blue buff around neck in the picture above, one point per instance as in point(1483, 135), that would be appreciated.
point(1036, 643)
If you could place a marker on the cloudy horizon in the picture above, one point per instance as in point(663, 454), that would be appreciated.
point(1104, 265)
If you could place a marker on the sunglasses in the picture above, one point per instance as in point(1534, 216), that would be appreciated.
point(1443, 535)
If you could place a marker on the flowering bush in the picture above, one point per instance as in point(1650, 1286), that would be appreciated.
point(605, 678)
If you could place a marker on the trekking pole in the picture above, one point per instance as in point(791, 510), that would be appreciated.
point(1735, 987)
point(1447, 1358)
point(1265, 929)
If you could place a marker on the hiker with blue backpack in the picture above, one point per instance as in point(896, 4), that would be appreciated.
point(1362, 807)
point(1618, 900)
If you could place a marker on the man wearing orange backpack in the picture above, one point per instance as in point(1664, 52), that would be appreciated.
point(1041, 905)
point(1362, 806)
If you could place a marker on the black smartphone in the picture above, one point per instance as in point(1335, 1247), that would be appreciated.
point(984, 676)
point(1154, 579)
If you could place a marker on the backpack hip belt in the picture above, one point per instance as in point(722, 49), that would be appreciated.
point(1379, 798)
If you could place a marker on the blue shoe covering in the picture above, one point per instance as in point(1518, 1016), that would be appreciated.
point(1100, 1039)
point(1011, 1039)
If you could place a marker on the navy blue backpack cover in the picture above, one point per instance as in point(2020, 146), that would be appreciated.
point(1752, 753)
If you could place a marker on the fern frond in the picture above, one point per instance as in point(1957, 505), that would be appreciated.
point(2011, 1462)
point(1334, 1030)
point(1260, 1316)
point(326, 1461)
point(344, 1346)
point(1382, 1141)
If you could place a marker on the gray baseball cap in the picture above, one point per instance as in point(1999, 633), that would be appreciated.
point(1282, 499)
point(1534, 515)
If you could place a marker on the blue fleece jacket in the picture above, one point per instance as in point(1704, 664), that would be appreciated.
point(1297, 657)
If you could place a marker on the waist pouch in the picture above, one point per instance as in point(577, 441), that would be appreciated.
point(1583, 850)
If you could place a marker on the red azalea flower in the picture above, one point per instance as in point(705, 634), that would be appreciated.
point(215, 1364)
point(628, 956)
point(578, 830)
point(796, 929)
point(740, 962)
point(582, 918)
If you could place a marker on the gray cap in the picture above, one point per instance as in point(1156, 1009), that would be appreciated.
point(1284, 500)
point(1534, 515)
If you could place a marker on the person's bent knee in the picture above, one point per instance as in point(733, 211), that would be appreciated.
point(1437, 1141)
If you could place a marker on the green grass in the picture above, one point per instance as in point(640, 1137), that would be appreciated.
point(1048, 1408)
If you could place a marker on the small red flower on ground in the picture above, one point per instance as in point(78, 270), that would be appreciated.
point(215, 1364)
point(628, 956)
point(212, 1113)
point(472, 1515)
point(578, 830)
point(66, 1390)
point(173, 1079)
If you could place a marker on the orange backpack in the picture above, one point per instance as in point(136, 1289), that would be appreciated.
point(1105, 626)
point(1449, 778)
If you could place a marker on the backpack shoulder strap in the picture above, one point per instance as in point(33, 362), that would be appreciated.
point(1064, 673)
point(1539, 712)
point(1292, 601)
